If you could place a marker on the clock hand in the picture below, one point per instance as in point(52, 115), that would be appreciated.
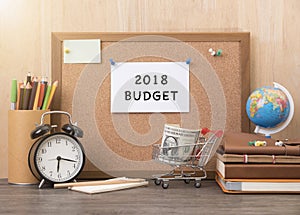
point(66, 159)
point(58, 162)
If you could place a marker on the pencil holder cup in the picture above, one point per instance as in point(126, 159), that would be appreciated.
point(20, 125)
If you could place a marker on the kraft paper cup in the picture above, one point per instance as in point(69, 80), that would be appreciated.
point(20, 125)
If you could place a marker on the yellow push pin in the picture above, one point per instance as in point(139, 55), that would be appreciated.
point(67, 51)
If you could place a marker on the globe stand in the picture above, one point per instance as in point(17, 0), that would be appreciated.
point(268, 131)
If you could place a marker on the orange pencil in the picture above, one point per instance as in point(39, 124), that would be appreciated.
point(18, 95)
point(41, 96)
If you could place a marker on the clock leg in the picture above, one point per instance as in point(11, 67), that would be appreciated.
point(41, 183)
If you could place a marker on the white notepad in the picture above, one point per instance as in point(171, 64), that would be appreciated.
point(107, 188)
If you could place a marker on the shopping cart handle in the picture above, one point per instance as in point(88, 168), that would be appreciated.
point(219, 133)
point(204, 131)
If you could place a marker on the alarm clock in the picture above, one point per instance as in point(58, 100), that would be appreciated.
point(56, 157)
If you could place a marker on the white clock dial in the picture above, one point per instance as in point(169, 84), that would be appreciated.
point(59, 158)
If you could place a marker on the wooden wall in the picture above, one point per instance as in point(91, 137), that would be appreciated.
point(26, 26)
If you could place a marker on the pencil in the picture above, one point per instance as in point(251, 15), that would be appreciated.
point(18, 95)
point(21, 96)
point(33, 93)
point(100, 182)
point(53, 88)
point(45, 81)
point(36, 99)
point(27, 94)
point(28, 78)
point(41, 95)
point(46, 97)
point(13, 94)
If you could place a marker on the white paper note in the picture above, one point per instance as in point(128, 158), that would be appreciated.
point(82, 51)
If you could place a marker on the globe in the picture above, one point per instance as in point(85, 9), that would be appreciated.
point(268, 107)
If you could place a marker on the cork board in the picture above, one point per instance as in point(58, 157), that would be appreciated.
point(121, 144)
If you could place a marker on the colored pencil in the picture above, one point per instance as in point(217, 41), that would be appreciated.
point(18, 95)
point(28, 78)
point(46, 97)
point(41, 96)
point(27, 93)
point(22, 89)
point(36, 99)
point(53, 89)
point(33, 94)
point(13, 94)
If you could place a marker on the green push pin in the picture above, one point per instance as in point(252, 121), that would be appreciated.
point(219, 52)
point(251, 143)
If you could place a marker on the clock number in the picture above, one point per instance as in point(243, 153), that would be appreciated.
point(58, 140)
point(49, 144)
point(76, 157)
point(74, 165)
point(40, 159)
point(43, 168)
point(44, 151)
point(50, 173)
point(73, 148)
point(68, 173)
point(59, 175)
point(66, 143)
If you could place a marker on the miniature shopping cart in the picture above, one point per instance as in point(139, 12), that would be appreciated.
point(188, 161)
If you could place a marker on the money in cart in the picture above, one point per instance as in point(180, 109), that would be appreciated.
point(187, 151)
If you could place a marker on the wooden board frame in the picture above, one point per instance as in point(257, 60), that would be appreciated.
point(243, 38)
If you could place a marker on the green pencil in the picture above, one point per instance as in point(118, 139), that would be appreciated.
point(13, 94)
point(46, 97)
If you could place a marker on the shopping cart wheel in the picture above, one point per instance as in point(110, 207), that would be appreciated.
point(165, 185)
point(157, 182)
point(197, 184)
point(187, 181)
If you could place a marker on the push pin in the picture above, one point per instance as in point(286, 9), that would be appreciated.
point(257, 143)
point(67, 51)
point(188, 61)
point(219, 52)
point(279, 143)
point(215, 53)
point(212, 52)
point(112, 62)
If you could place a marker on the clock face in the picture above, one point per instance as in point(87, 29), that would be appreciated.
point(59, 158)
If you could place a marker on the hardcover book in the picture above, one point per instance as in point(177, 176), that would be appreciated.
point(258, 171)
point(258, 185)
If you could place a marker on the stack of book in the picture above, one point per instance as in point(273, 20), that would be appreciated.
point(245, 167)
